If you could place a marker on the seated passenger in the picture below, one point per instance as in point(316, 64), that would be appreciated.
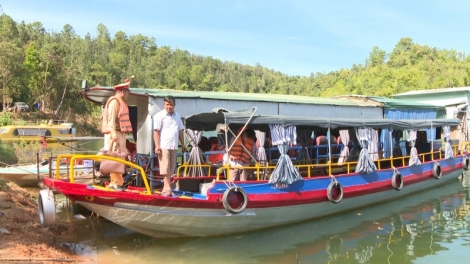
point(213, 143)
point(131, 150)
point(321, 142)
point(216, 158)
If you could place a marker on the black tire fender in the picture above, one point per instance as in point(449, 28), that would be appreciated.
point(329, 192)
point(397, 180)
point(46, 207)
point(437, 170)
point(465, 162)
point(225, 202)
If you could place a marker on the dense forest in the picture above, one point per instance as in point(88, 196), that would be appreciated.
point(37, 64)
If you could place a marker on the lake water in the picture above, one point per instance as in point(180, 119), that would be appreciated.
point(427, 227)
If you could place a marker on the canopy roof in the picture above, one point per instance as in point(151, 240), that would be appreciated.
point(391, 103)
point(209, 121)
point(403, 103)
point(101, 94)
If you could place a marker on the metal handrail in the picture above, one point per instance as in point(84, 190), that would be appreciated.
point(73, 157)
point(257, 167)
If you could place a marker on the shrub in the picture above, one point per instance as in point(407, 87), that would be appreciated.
point(3, 184)
point(6, 119)
point(7, 154)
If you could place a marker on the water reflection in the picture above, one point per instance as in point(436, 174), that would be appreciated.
point(420, 226)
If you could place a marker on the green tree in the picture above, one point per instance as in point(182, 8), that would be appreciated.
point(377, 57)
point(10, 59)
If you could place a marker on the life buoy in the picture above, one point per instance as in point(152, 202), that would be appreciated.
point(397, 180)
point(436, 170)
point(230, 192)
point(465, 162)
point(335, 192)
point(46, 207)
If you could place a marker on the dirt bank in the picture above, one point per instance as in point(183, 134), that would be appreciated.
point(21, 234)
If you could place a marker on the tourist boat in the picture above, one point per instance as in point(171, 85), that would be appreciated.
point(25, 175)
point(209, 204)
point(48, 134)
point(371, 234)
point(344, 235)
point(31, 174)
point(27, 130)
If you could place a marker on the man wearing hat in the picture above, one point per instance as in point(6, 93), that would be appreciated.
point(116, 124)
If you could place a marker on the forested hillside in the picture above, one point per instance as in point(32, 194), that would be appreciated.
point(38, 64)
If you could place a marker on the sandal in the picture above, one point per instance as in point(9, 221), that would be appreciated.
point(118, 188)
point(167, 194)
point(115, 186)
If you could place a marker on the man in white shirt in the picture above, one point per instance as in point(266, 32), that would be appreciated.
point(168, 127)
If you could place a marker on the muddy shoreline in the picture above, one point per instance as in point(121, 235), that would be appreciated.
point(22, 238)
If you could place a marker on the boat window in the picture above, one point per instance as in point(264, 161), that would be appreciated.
point(64, 131)
point(3, 130)
point(31, 132)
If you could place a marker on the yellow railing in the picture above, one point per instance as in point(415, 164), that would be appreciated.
point(182, 170)
point(186, 166)
point(257, 167)
point(346, 167)
point(464, 146)
point(73, 157)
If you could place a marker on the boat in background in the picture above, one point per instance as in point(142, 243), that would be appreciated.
point(42, 135)
point(281, 193)
point(31, 174)
point(32, 130)
point(52, 138)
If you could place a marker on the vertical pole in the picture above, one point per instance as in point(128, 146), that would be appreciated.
point(390, 132)
point(37, 164)
point(432, 142)
point(93, 170)
point(50, 166)
point(329, 150)
point(152, 156)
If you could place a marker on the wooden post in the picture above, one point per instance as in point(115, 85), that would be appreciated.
point(37, 164)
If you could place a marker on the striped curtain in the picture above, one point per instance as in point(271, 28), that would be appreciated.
point(414, 158)
point(285, 172)
point(373, 146)
point(365, 164)
point(261, 151)
point(449, 153)
point(196, 156)
point(344, 135)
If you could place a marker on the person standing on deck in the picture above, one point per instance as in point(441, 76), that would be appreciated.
point(116, 124)
point(168, 127)
point(239, 157)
